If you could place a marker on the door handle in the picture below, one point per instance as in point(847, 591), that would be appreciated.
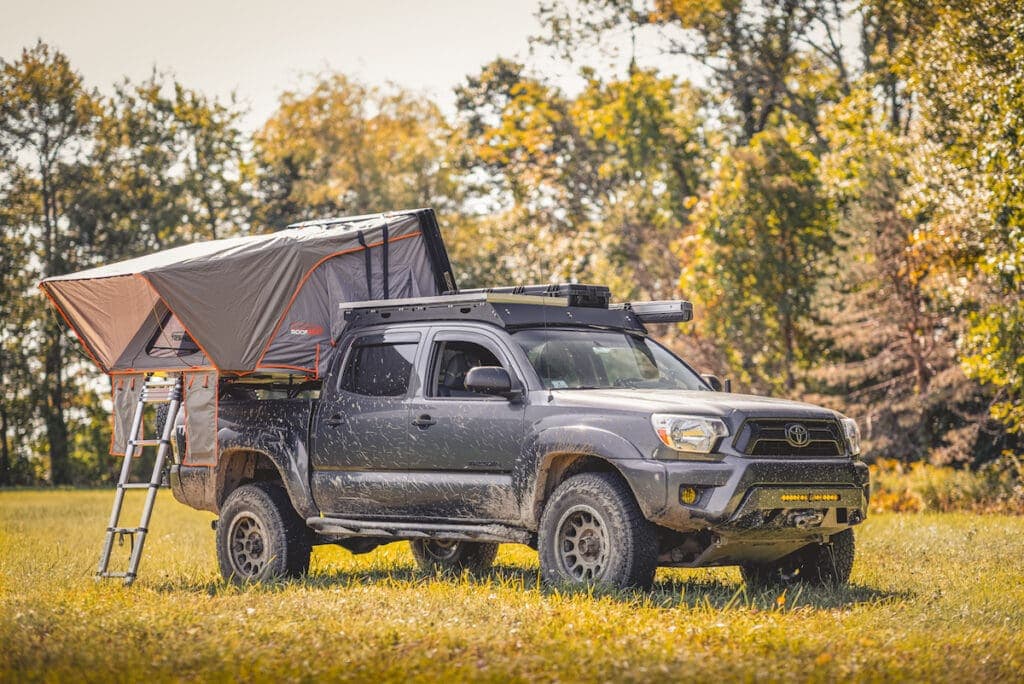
point(424, 421)
point(334, 420)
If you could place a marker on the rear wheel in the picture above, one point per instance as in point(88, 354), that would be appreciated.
point(453, 556)
point(260, 536)
point(827, 564)
point(593, 533)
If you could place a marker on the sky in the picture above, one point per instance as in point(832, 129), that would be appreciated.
point(258, 48)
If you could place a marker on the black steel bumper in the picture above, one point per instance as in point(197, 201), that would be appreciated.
point(752, 498)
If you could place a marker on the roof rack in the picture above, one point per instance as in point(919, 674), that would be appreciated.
point(521, 305)
point(452, 301)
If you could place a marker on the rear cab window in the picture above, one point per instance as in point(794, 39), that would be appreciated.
point(380, 364)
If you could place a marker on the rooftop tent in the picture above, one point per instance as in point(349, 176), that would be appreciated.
point(260, 304)
point(249, 304)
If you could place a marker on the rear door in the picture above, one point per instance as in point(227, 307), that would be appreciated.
point(363, 429)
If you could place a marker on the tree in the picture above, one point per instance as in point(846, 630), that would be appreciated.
point(759, 241)
point(168, 165)
point(587, 188)
point(889, 321)
point(766, 57)
point(46, 118)
point(88, 180)
point(963, 63)
point(17, 309)
point(346, 148)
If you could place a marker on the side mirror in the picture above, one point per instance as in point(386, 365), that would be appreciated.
point(713, 380)
point(490, 380)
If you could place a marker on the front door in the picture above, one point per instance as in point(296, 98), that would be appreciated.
point(465, 444)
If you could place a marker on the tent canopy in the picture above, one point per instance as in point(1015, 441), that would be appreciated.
point(249, 304)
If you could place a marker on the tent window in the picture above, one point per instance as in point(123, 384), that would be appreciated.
point(171, 340)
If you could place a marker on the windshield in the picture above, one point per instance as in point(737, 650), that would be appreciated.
point(599, 359)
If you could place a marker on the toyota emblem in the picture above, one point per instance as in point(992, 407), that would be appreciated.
point(797, 435)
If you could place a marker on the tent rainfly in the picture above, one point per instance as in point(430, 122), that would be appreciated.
point(265, 304)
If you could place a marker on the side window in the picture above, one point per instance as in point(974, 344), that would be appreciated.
point(452, 361)
point(379, 370)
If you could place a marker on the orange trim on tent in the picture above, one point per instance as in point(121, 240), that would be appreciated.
point(280, 365)
point(305, 278)
point(67, 321)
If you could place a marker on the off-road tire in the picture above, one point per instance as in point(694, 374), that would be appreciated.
point(453, 557)
point(819, 565)
point(260, 536)
point(621, 545)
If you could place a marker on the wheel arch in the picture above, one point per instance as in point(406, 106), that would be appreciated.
point(241, 465)
point(566, 451)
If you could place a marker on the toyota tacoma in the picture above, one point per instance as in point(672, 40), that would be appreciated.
point(540, 416)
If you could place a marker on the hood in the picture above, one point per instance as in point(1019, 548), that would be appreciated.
point(702, 403)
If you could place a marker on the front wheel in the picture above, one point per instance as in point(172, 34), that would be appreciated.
point(453, 556)
point(593, 533)
point(827, 564)
point(260, 536)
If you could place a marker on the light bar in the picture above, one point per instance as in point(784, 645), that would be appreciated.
point(665, 311)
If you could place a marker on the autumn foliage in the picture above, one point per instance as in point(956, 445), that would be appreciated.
point(838, 187)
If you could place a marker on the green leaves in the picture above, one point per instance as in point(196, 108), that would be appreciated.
point(761, 242)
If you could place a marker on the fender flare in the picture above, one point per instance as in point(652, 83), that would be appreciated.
point(554, 451)
point(286, 451)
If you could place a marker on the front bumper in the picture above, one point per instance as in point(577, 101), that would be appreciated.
point(742, 497)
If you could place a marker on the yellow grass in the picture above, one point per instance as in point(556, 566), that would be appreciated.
point(933, 597)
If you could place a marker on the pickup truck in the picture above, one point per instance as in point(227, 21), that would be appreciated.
point(461, 422)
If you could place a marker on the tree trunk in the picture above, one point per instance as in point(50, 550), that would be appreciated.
point(56, 426)
point(5, 449)
point(53, 406)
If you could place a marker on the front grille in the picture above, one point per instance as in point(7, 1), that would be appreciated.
point(767, 437)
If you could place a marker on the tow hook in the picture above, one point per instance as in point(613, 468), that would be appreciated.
point(803, 520)
point(213, 525)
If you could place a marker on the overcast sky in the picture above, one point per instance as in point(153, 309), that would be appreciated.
point(258, 48)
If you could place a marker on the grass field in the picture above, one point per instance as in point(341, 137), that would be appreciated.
point(933, 597)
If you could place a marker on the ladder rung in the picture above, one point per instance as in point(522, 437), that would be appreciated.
point(126, 530)
point(159, 395)
point(139, 485)
point(149, 442)
point(112, 575)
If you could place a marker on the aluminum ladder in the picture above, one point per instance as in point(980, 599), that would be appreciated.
point(155, 391)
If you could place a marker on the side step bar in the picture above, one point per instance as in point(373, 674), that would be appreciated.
point(340, 527)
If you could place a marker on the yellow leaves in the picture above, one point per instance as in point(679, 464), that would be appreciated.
point(342, 145)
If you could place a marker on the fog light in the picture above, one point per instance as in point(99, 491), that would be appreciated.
point(688, 495)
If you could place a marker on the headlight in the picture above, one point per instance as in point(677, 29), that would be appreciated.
point(852, 435)
point(694, 434)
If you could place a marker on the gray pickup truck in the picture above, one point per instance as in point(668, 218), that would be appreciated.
point(460, 422)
